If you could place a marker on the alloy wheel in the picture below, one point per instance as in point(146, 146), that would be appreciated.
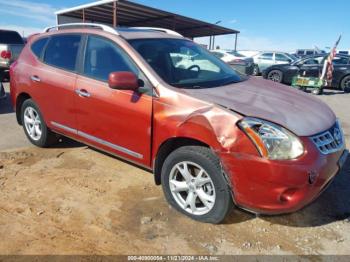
point(274, 76)
point(192, 188)
point(32, 123)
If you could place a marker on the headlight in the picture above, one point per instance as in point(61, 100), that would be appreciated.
point(272, 141)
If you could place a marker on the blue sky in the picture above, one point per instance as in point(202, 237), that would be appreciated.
point(270, 24)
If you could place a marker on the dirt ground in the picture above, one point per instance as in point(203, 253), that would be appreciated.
point(72, 199)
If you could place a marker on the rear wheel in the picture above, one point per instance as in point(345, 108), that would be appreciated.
point(34, 126)
point(345, 84)
point(275, 76)
point(194, 184)
point(256, 70)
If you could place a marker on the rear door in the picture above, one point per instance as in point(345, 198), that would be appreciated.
point(265, 60)
point(53, 80)
point(117, 121)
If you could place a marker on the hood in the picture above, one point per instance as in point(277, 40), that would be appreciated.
point(297, 111)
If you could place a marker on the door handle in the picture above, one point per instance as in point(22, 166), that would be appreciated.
point(82, 93)
point(35, 78)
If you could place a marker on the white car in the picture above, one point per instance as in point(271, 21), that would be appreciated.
point(239, 62)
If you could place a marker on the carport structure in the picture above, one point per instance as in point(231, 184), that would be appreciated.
point(130, 14)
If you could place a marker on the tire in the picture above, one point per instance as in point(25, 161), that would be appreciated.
point(275, 76)
point(256, 70)
point(345, 84)
point(317, 91)
point(210, 186)
point(34, 125)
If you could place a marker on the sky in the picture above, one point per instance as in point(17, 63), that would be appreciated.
point(264, 25)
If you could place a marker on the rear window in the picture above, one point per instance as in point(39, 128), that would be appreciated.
point(62, 51)
point(38, 46)
point(10, 38)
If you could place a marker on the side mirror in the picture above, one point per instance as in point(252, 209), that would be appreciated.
point(123, 81)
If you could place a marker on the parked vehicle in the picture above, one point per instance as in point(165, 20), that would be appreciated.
point(211, 137)
point(344, 52)
point(300, 53)
point(312, 67)
point(248, 53)
point(241, 63)
point(11, 45)
point(265, 59)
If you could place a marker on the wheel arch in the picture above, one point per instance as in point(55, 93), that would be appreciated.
point(19, 102)
point(342, 78)
point(165, 150)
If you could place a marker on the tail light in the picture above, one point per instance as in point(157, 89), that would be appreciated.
point(6, 55)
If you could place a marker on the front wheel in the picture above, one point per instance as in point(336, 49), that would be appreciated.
point(194, 184)
point(275, 76)
point(345, 84)
point(34, 125)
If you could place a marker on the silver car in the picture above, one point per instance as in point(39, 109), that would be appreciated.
point(11, 45)
point(264, 60)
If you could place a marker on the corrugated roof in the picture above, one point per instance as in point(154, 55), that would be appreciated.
point(132, 14)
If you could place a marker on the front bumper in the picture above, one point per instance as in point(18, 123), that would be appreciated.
point(276, 187)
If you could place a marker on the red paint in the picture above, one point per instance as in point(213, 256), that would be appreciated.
point(142, 123)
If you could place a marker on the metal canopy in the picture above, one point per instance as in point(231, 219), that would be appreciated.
point(126, 13)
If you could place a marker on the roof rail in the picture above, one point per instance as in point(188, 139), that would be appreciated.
point(164, 30)
point(105, 28)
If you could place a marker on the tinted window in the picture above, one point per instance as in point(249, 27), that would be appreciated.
point(62, 51)
point(38, 46)
point(340, 60)
point(266, 56)
point(313, 61)
point(300, 52)
point(10, 37)
point(103, 57)
point(282, 58)
point(309, 52)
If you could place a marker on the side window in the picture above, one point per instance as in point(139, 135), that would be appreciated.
point(310, 52)
point(282, 58)
point(62, 51)
point(340, 60)
point(38, 46)
point(103, 57)
point(266, 56)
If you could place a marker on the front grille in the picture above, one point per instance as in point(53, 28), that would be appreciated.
point(330, 141)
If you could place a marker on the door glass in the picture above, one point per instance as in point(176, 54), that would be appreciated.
point(340, 60)
point(38, 46)
point(266, 56)
point(103, 57)
point(282, 58)
point(62, 51)
point(313, 61)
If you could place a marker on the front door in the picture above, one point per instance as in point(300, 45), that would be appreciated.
point(118, 121)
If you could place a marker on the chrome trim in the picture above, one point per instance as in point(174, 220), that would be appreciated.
point(82, 93)
point(74, 131)
point(105, 28)
point(330, 141)
point(98, 140)
point(35, 78)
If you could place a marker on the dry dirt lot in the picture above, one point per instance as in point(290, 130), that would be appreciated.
point(74, 200)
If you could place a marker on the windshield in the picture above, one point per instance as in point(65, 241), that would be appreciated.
point(184, 64)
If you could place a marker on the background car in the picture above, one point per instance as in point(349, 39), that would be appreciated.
point(312, 67)
point(300, 53)
point(11, 45)
point(265, 59)
point(238, 62)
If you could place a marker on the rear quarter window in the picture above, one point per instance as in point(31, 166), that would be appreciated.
point(62, 51)
point(38, 47)
point(10, 38)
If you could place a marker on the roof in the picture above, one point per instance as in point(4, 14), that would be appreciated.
point(131, 14)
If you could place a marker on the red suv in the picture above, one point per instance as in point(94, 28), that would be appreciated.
point(212, 137)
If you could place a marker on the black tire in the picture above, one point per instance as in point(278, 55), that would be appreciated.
point(317, 91)
point(256, 70)
point(275, 76)
point(47, 137)
point(207, 160)
point(345, 84)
